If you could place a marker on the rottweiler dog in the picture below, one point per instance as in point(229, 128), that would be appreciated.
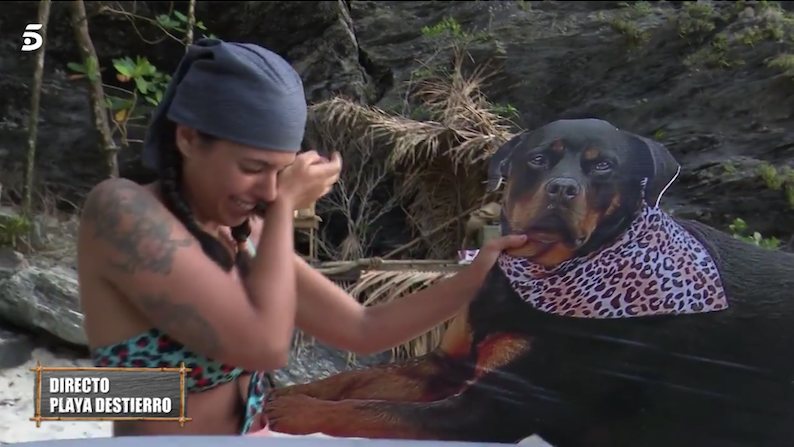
point(626, 326)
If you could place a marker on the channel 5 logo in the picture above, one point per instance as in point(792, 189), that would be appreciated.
point(31, 39)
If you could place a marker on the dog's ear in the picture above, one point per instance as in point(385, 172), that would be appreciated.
point(657, 167)
point(499, 163)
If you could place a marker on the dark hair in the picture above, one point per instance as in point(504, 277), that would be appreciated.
point(171, 187)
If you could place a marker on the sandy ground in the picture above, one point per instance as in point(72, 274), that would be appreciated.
point(17, 404)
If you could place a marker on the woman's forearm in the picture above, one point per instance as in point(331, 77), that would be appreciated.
point(272, 280)
point(390, 324)
point(330, 314)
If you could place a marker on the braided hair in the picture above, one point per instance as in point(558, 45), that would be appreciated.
point(171, 188)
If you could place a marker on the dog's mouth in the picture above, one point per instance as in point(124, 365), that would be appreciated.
point(547, 234)
point(548, 229)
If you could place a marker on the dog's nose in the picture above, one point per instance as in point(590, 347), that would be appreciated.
point(562, 189)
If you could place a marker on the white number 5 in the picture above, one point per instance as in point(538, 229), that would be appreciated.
point(31, 39)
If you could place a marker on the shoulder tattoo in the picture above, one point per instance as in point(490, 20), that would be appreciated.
point(136, 225)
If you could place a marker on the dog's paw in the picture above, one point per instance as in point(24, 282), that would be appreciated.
point(298, 414)
point(282, 391)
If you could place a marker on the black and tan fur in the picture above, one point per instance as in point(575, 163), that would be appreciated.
point(505, 371)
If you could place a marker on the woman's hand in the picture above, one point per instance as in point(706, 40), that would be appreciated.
point(490, 252)
point(308, 178)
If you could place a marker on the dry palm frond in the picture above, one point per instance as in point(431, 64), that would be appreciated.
point(440, 162)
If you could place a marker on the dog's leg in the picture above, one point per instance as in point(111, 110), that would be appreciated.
point(429, 377)
point(467, 415)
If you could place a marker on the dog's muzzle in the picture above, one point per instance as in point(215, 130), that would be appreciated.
point(562, 191)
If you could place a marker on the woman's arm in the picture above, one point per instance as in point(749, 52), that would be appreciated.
point(329, 313)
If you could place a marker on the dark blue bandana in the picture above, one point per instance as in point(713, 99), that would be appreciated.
point(233, 91)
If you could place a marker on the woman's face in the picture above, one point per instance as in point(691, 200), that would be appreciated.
point(225, 180)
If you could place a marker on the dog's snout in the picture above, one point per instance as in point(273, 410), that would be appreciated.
point(563, 188)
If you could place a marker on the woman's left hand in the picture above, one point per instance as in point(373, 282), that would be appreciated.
point(490, 252)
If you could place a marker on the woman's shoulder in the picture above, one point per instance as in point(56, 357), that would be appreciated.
point(118, 186)
point(119, 214)
point(116, 198)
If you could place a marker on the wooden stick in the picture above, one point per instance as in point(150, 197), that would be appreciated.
point(336, 267)
point(381, 261)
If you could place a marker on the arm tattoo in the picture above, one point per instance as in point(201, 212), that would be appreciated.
point(182, 318)
point(133, 222)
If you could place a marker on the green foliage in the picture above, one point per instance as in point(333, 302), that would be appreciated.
point(90, 68)
point(770, 176)
point(784, 63)
point(178, 22)
point(632, 33)
point(449, 28)
point(13, 228)
point(774, 24)
point(778, 180)
point(789, 191)
point(696, 20)
point(149, 81)
point(744, 24)
point(138, 77)
point(787, 174)
point(729, 168)
point(753, 35)
point(740, 231)
point(507, 111)
point(639, 8)
point(446, 34)
point(624, 23)
point(423, 72)
point(714, 55)
point(446, 26)
point(659, 135)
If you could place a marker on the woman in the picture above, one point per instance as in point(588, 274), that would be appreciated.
point(181, 271)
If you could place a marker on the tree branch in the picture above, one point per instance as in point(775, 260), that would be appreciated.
point(90, 59)
point(35, 99)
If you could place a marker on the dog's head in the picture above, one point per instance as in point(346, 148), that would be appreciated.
point(574, 185)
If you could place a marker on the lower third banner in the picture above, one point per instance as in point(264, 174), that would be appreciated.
point(109, 394)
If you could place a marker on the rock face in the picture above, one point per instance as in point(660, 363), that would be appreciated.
point(15, 348)
point(712, 95)
point(700, 77)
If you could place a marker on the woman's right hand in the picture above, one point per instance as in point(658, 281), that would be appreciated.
point(308, 178)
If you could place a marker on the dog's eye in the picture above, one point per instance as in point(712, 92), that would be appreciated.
point(538, 160)
point(603, 166)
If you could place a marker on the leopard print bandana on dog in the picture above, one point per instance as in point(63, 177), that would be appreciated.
point(654, 268)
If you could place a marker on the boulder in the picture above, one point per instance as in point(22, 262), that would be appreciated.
point(41, 299)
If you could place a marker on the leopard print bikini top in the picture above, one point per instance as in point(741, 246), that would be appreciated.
point(654, 268)
point(155, 349)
